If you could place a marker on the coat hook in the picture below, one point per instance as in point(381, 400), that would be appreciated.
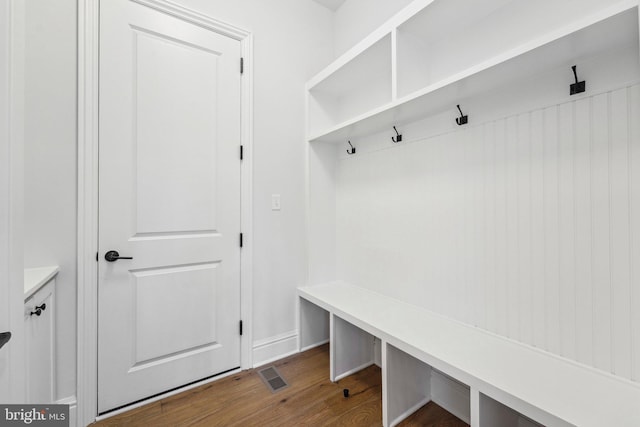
point(398, 137)
point(462, 120)
point(577, 87)
point(352, 150)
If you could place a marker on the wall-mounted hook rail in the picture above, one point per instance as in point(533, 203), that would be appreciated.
point(577, 87)
point(352, 150)
point(397, 138)
point(462, 120)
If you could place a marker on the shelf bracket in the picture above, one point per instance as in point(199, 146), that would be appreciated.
point(577, 87)
point(462, 120)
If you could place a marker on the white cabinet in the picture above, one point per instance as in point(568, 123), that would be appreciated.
point(39, 320)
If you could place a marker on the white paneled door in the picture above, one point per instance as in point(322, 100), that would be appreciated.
point(169, 198)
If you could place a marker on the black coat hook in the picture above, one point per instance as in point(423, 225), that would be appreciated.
point(577, 87)
point(352, 150)
point(462, 120)
point(398, 137)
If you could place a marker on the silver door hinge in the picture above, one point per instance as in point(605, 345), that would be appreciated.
point(241, 65)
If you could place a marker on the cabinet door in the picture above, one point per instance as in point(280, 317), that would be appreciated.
point(40, 350)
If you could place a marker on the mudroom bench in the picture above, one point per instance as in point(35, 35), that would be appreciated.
point(482, 378)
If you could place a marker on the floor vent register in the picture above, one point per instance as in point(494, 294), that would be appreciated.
point(273, 379)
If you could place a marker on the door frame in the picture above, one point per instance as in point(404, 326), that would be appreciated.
point(12, 33)
point(88, 91)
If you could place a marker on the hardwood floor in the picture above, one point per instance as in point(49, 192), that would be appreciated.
point(310, 400)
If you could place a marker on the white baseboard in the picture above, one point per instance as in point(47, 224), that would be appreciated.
point(72, 401)
point(312, 346)
point(274, 348)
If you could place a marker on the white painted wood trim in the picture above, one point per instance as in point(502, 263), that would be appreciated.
point(246, 202)
point(173, 9)
point(12, 16)
point(275, 348)
point(332, 348)
point(87, 282)
point(475, 407)
point(394, 65)
point(312, 346)
point(88, 88)
point(385, 383)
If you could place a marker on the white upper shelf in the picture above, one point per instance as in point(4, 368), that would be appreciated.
point(436, 87)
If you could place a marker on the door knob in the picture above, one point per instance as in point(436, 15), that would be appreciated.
point(112, 256)
point(39, 310)
point(4, 338)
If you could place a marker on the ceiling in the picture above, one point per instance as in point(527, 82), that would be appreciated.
point(330, 4)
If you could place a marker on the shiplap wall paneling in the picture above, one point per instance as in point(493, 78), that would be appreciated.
point(567, 232)
point(582, 220)
point(527, 226)
point(620, 219)
point(634, 180)
point(551, 224)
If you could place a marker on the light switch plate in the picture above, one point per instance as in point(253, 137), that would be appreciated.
point(275, 202)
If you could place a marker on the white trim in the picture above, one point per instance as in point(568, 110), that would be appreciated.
point(312, 346)
point(12, 14)
point(274, 348)
point(173, 9)
point(88, 89)
point(246, 202)
point(87, 318)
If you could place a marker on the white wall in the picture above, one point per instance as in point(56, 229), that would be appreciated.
point(50, 164)
point(292, 42)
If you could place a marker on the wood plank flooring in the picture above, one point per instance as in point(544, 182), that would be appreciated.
point(310, 400)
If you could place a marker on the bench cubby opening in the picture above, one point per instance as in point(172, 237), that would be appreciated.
point(409, 383)
point(496, 414)
point(314, 325)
